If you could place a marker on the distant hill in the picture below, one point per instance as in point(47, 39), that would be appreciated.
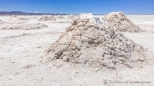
point(25, 13)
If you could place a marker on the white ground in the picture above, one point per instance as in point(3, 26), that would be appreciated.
point(22, 58)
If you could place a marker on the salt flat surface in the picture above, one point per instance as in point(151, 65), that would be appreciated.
point(22, 57)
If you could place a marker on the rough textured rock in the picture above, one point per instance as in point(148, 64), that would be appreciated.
point(91, 41)
point(121, 22)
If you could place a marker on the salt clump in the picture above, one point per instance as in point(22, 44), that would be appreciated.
point(23, 18)
point(59, 17)
point(71, 16)
point(47, 18)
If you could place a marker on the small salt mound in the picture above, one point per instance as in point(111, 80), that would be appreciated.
point(92, 41)
point(71, 16)
point(88, 15)
point(23, 18)
point(59, 17)
point(121, 22)
point(13, 16)
point(47, 18)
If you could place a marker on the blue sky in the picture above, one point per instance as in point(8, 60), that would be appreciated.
point(79, 6)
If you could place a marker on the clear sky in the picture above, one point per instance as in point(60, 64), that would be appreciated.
point(79, 6)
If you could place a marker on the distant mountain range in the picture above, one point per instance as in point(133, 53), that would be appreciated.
point(25, 13)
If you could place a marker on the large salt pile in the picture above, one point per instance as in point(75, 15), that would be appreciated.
point(121, 22)
point(94, 42)
point(47, 18)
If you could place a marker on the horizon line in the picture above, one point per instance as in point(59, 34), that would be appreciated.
point(69, 13)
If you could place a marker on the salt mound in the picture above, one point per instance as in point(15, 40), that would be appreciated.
point(86, 15)
point(71, 16)
point(13, 16)
point(23, 18)
point(47, 18)
point(94, 42)
point(59, 17)
point(121, 22)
